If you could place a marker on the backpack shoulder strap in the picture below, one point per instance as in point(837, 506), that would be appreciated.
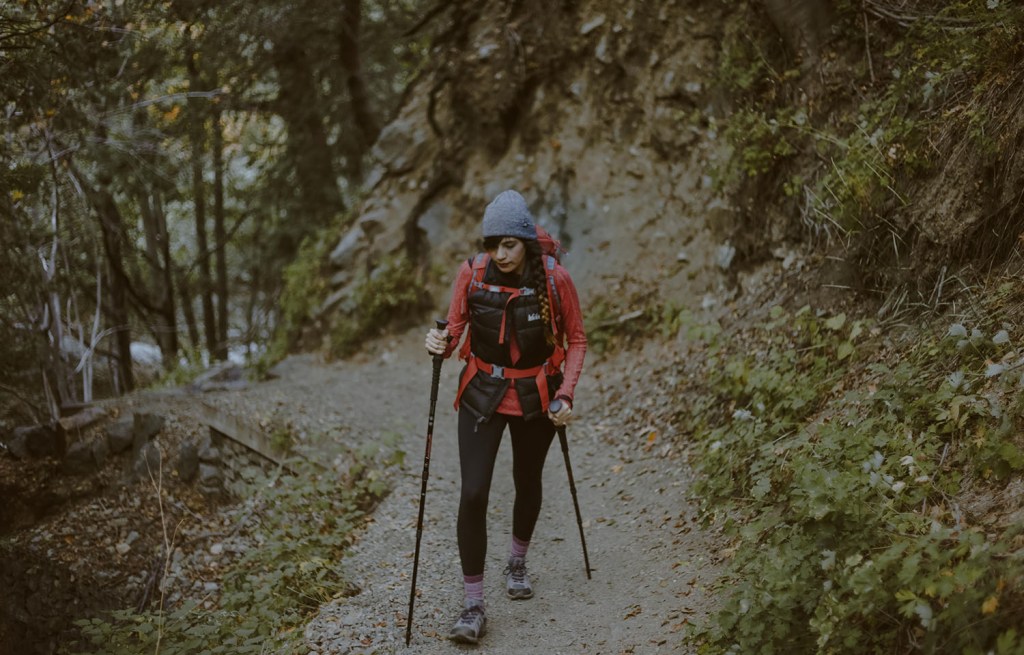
point(555, 301)
point(478, 264)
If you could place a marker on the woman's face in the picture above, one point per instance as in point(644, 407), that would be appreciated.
point(509, 255)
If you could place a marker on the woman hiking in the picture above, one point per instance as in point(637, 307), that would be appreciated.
point(525, 326)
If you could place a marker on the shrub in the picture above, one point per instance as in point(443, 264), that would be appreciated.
point(838, 481)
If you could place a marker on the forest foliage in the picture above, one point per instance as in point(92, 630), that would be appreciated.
point(863, 468)
point(898, 140)
point(162, 162)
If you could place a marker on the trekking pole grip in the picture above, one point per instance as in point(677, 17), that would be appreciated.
point(441, 325)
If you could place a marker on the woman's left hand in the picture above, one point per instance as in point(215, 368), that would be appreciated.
point(562, 416)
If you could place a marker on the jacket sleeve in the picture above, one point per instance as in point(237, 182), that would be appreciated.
point(572, 328)
point(458, 310)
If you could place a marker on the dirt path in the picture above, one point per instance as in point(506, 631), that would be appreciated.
point(652, 566)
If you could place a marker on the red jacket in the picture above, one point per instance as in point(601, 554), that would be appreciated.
point(573, 336)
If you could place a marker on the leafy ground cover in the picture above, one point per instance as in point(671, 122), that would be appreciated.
point(266, 596)
point(867, 481)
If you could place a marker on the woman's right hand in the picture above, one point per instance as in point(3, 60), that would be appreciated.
point(436, 341)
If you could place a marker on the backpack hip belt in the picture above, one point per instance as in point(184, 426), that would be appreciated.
point(540, 374)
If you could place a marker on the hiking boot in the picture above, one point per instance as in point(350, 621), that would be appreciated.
point(517, 583)
point(471, 624)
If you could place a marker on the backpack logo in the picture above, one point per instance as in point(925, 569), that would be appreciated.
point(533, 317)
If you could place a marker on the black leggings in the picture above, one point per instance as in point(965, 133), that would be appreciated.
point(478, 448)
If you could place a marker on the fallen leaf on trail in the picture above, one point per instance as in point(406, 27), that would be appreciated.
point(617, 468)
point(633, 611)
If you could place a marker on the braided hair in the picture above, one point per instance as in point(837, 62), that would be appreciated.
point(534, 276)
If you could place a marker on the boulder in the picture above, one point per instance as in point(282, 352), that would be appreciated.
point(17, 444)
point(37, 441)
point(100, 451)
point(144, 428)
point(79, 459)
point(211, 479)
point(148, 461)
point(121, 434)
point(187, 463)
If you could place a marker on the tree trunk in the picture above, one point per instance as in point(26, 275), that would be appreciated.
point(301, 108)
point(220, 238)
point(196, 121)
point(185, 292)
point(351, 61)
point(62, 392)
point(255, 287)
point(158, 254)
point(112, 227)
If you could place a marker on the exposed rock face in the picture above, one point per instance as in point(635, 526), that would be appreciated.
point(596, 111)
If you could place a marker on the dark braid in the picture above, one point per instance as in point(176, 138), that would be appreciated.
point(535, 276)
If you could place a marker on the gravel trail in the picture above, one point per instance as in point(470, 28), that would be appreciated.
point(652, 566)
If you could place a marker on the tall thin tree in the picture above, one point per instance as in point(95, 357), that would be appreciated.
point(197, 127)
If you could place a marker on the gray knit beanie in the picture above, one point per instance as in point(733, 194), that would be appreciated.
point(508, 216)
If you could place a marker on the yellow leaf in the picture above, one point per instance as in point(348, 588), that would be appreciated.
point(652, 436)
point(990, 605)
point(17, 195)
point(172, 114)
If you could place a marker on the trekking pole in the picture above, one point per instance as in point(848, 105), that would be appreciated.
point(441, 325)
point(554, 407)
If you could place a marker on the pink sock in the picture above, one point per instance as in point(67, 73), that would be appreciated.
point(518, 547)
point(474, 587)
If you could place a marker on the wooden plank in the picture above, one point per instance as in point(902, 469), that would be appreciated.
point(82, 419)
point(239, 430)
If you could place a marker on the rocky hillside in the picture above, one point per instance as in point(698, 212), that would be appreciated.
point(674, 147)
point(593, 111)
